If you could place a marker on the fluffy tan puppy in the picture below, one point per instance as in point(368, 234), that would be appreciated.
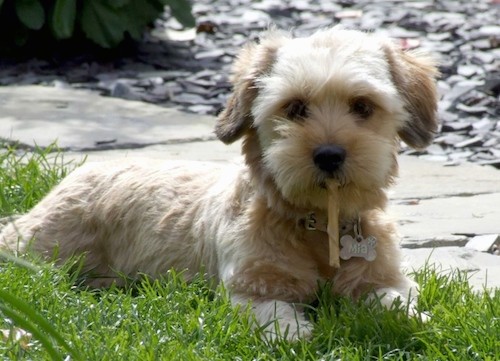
point(329, 108)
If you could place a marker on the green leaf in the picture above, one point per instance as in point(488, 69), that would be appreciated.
point(1, 3)
point(140, 13)
point(102, 24)
point(21, 36)
point(30, 13)
point(181, 10)
point(63, 18)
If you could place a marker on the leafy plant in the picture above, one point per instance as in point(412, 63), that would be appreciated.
point(104, 22)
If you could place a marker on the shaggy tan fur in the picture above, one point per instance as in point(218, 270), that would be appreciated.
point(329, 107)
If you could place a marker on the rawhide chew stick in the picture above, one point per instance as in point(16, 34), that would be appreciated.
point(333, 223)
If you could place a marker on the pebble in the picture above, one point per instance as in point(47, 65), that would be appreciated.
point(189, 68)
point(456, 126)
point(472, 142)
point(122, 90)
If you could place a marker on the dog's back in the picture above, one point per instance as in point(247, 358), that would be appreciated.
point(126, 217)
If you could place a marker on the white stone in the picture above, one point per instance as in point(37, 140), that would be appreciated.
point(484, 243)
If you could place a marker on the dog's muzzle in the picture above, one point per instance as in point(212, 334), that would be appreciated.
point(329, 158)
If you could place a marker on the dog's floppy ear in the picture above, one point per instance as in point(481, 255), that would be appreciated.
point(253, 61)
point(414, 76)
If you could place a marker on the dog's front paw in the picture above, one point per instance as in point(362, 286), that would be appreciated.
point(277, 319)
point(291, 329)
point(390, 297)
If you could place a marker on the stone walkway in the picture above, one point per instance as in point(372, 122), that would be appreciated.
point(439, 209)
point(188, 69)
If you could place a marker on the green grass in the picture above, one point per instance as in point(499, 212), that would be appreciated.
point(26, 177)
point(169, 319)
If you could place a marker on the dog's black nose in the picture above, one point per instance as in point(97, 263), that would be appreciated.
point(329, 157)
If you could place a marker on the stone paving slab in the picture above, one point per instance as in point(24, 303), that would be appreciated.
point(213, 150)
point(435, 202)
point(443, 216)
point(482, 268)
point(434, 180)
point(436, 206)
point(82, 119)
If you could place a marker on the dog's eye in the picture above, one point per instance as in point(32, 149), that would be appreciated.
point(296, 109)
point(362, 108)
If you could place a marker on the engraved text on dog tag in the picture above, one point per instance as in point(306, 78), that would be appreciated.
point(360, 247)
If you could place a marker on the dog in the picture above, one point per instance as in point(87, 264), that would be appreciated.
point(333, 106)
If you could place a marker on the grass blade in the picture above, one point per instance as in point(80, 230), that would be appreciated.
point(28, 318)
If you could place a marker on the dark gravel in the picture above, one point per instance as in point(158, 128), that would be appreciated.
point(192, 74)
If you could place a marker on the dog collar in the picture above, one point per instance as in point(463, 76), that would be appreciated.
point(353, 244)
point(313, 222)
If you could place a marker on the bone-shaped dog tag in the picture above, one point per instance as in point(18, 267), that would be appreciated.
point(361, 247)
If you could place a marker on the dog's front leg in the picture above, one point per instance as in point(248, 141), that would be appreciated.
point(274, 294)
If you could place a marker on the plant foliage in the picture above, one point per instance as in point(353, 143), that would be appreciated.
point(105, 22)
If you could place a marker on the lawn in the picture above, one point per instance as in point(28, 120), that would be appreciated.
point(45, 312)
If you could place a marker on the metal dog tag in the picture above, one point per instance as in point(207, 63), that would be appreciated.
point(359, 247)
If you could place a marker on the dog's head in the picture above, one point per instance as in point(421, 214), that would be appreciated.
point(332, 105)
